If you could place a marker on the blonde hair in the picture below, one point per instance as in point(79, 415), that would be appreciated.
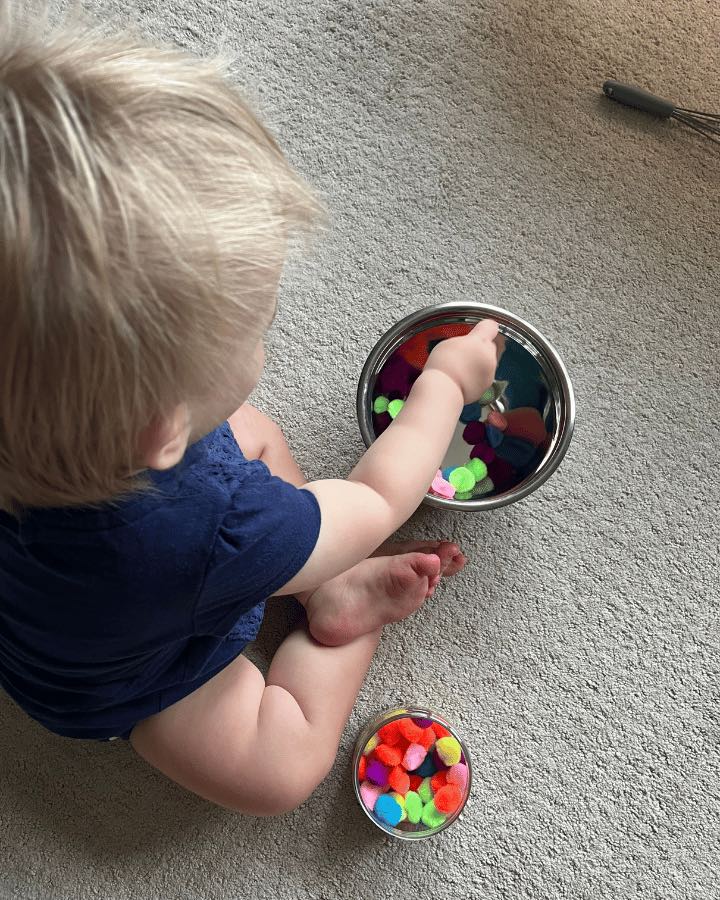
point(144, 213)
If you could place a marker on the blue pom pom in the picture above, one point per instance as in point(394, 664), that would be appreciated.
point(471, 413)
point(446, 472)
point(493, 436)
point(427, 768)
point(388, 809)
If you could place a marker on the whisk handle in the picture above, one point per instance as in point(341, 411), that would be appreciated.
point(636, 97)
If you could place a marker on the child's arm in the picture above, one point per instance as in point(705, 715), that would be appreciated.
point(392, 477)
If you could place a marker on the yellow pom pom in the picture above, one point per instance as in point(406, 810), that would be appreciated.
point(371, 744)
point(449, 750)
point(401, 800)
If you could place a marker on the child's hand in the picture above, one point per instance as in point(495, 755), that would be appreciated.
point(470, 361)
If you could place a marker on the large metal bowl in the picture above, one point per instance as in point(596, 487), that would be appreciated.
point(530, 363)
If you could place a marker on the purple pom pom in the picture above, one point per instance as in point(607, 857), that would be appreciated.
point(377, 772)
point(474, 432)
point(483, 451)
point(423, 723)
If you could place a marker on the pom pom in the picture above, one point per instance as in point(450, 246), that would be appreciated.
point(487, 397)
point(442, 488)
point(388, 810)
point(502, 473)
point(371, 744)
point(424, 792)
point(440, 730)
point(484, 487)
point(527, 424)
point(369, 794)
point(377, 772)
point(389, 734)
point(470, 413)
point(497, 420)
point(448, 799)
point(448, 749)
point(394, 407)
point(518, 453)
point(478, 468)
point(494, 437)
point(438, 780)
point(473, 433)
point(415, 782)
point(380, 405)
point(484, 452)
point(445, 474)
point(409, 730)
point(462, 479)
point(427, 738)
point(464, 495)
point(431, 815)
point(458, 774)
point(390, 756)
point(414, 756)
point(427, 767)
point(362, 768)
point(426, 723)
point(413, 807)
point(399, 780)
point(398, 798)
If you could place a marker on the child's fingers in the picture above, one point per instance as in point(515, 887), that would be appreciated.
point(486, 330)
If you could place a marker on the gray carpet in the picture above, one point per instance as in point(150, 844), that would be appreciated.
point(464, 151)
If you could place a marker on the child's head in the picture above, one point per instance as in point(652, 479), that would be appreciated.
point(144, 215)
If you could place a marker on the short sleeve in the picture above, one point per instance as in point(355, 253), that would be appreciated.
point(265, 537)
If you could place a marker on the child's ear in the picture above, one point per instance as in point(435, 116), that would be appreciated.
point(164, 441)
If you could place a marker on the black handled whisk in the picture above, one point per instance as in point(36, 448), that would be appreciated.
point(707, 124)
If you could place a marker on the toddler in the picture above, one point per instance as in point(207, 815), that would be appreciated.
point(146, 510)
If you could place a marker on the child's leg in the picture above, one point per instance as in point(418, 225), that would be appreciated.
point(256, 747)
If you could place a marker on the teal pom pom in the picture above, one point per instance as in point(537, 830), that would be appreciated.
point(388, 810)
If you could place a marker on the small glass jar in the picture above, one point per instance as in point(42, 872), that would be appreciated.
point(405, 830)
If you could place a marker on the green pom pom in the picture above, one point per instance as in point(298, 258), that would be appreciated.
point(394, 407)
point(380, 405)
point(478, 468)
point(463, 495)
point(484, 487)
point(487, 397)
point(431, 816)
point(462, 479)
point(413, 807)
point(425, 790)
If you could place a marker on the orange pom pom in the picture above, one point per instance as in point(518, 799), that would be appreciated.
point(389, 756)
point(440, 731)
point(399, 780)
point(438, 780)
point(362, 768)
point(389, 733)
point(448, 799)
point(415, 782)
point(409, 730)
point(427, 738)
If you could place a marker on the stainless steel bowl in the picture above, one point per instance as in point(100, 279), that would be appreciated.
point(532, 364)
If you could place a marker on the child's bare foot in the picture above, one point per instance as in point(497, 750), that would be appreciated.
point(373, 593)
point(452, 559)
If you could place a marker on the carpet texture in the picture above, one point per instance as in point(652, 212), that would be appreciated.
point(464, 151)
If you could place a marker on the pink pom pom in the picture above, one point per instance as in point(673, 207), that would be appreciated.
point(441, 487)
point(458, 774)
point(497, 420)
point(369, 794)
point(414, 756)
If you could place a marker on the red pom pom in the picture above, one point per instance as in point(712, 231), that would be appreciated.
point(399, 780)
point(439, 780)
point(439, 730)
point(448, 799)
point(415, 782)
point(474, 433)
point(362, 768)
point(409, 730)
point(427, 738)
point(390, 756)
point(389, 734)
